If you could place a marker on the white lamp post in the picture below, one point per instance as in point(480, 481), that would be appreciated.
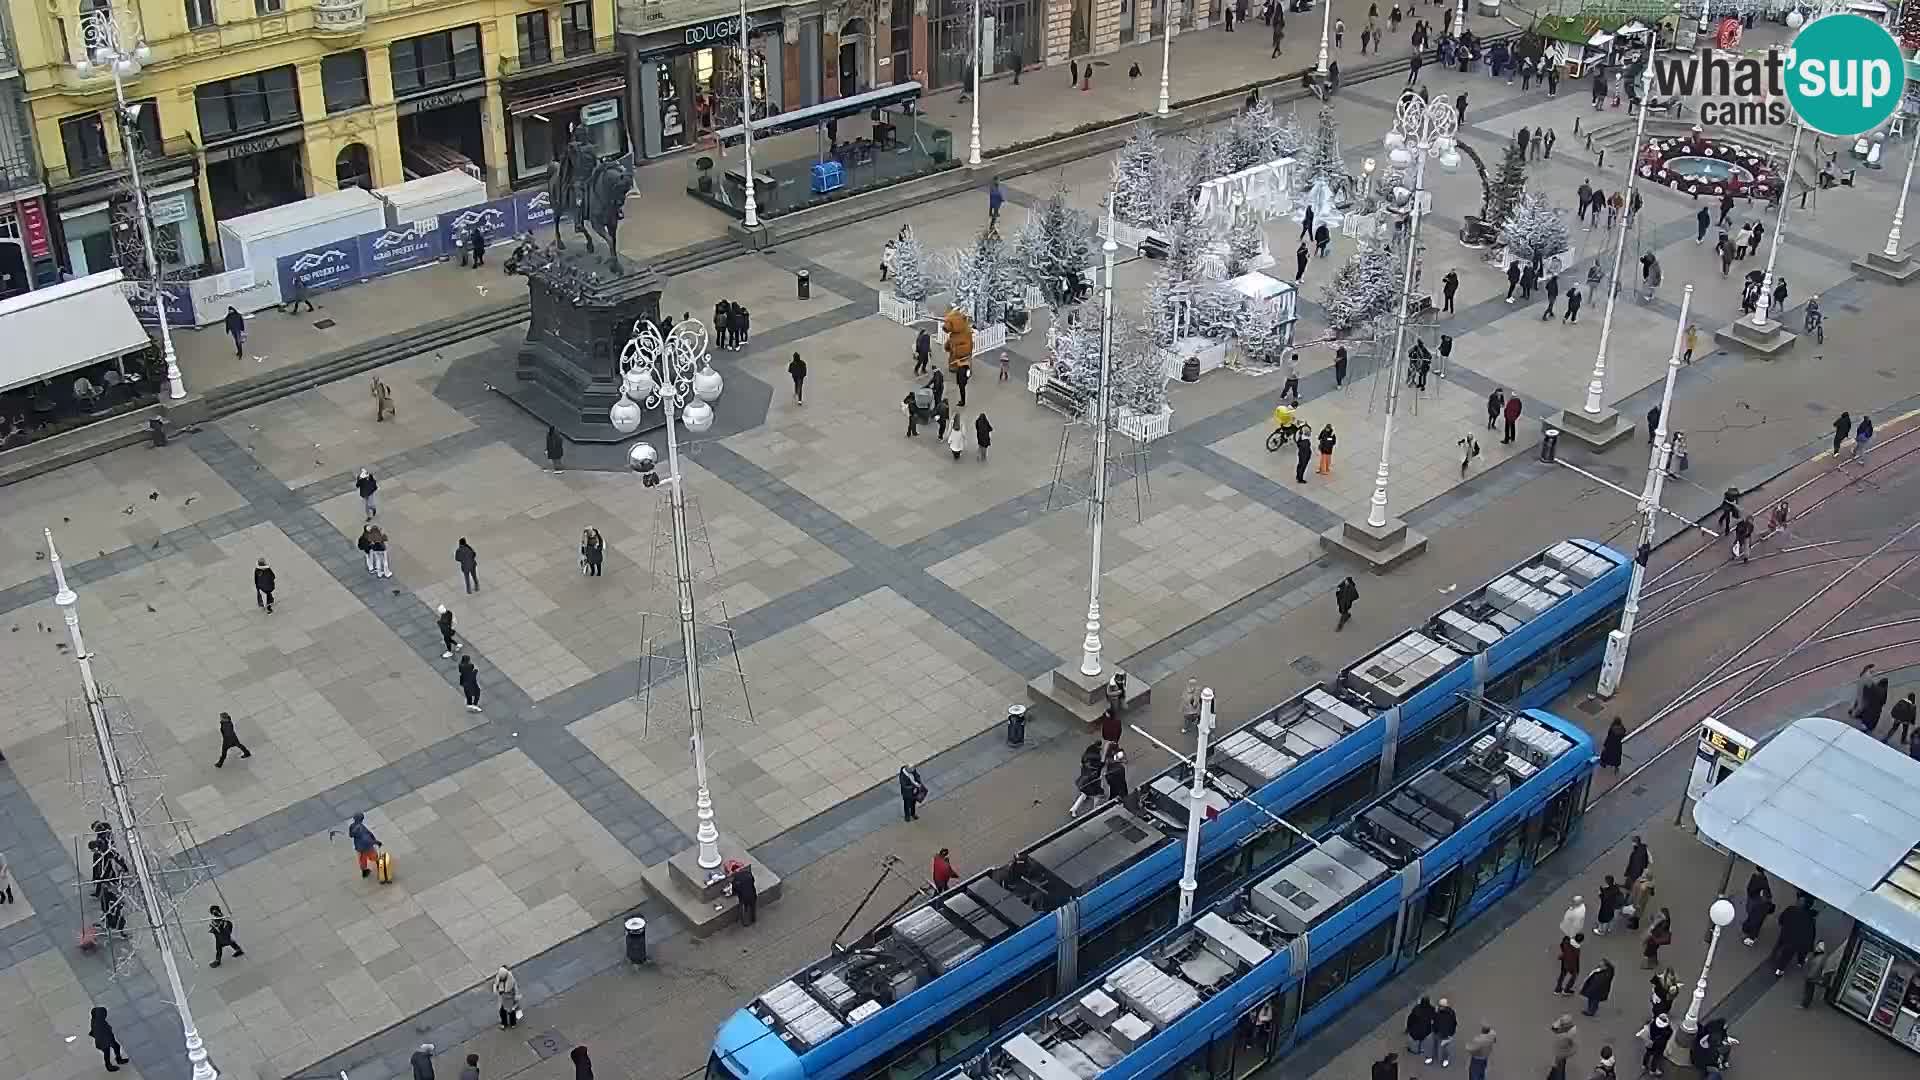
point(1090, 646)
point(973, 147)
point(1614, 665)
point(752, 208)
point(672, 373)
point(1326, 26)
point(103, 42)
point(1900, 208)
point(1779, 227)
point(1420, 129)
point(142, 861)
point(1166, 53)
point(1678, 1049)
point(1596, 403)
point(1196, 809)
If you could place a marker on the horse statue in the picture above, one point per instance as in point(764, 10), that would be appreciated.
point(591, 191)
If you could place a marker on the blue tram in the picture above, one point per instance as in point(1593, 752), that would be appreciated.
point(1245, 981)
point(935, 984)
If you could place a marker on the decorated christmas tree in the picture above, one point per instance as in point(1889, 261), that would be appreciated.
point(909, 268)
point(1185, 239)
point(981, 280)
point(1136, 370)
point(1504, 191)
point(1365, 288)
point(1320, 161)
point(1535, 230)
point(1055, 246)
point(1254, 137)
point(1160, 322)
point(1246, 242)
point(1262, 333)
point(1140, 180)
point(1214, 312)
point(1288, 137)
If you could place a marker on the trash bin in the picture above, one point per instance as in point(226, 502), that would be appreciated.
point(636, 941)
point(1549, 444)
point(1016, 725)
point(1190, 370)
point(806, 285)
point(157, 428)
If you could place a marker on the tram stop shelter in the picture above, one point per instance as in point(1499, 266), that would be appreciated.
point(1837, 813)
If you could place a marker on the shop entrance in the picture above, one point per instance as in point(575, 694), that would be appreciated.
point(353, 167)
point(14, 274)
point(853, 58)
point(262, 181)
point(433, 141)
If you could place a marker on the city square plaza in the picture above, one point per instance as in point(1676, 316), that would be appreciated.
point(888, 604)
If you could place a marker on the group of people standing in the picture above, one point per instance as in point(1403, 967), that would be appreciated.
point(732, 324)
point(927, 404)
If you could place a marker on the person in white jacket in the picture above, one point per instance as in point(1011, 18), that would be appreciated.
point(956, 436)
point(1574, 919)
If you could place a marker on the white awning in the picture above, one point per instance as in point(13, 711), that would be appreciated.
point(66, 326)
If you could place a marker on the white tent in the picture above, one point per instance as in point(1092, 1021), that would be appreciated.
point(67, 326)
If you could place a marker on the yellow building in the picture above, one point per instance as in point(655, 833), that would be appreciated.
point(250, 104)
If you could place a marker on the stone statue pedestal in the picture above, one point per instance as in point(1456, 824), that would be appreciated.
point(568, 371)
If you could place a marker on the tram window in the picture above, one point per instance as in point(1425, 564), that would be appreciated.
point(1535, 671)
point(1553, 822)
point(1503, 689)
point(1345, 793)
point(1323, 980)
point(1416, 749)
point(1497, 859)
point(1027, 993)
point(1156, 915)
point(1267, 846)
point(1592, 633)
point(1376, 943)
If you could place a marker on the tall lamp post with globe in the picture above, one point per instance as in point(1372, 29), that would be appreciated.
point(673, 373)
point(1680, 1047)
point(1892, 263)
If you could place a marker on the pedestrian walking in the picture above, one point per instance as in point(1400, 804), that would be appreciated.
point(366, 846)
point(1291, 388)
point(1569, 956)
point(1799, 933)
point(1597, 986)
point(1702, 221)
point(1327, 442)
point(236, 325)
point(469, 563)
point(956, 437)
point(1387, 1068)
point(556, 448)
point(1117, 774)
point(1513, 279)
point(1573, 305)
point(1903, 717)
point(1615, 205)
point(943, 872)
point(1300, 256)
point(1610, 898)
point(373, 544)
point(746, 891)
point(105, 1041)
point(1552, 286)
point(922, 351)
point(1303, 455)
point(1322, 241)
point(1480, 1051)
point(1344, 595)
point(367, 486)
point(300, 296)
point(221, 928)
point(1460, 107)
point(1086, 783)
point(582, 1063)
point(229, 741)
point(1819, 971)
point(1469, 449)
point(1574, 920)
point(1610, 749)
point(1340, 368)
point(1842, 427)
point(1584, 198)
point(1510, 416)
point(593, 551)
point(445, 622)
point(797, 368)
point(1640, 896)
point(1726, 209)
point(1446, 1024)
point(1529, 280)
point(1865, 709)
point(506, 993)
point(995, 198)
point(1496, 406)
point(472, 1071)
point(982, 434)
point(1659, 936)
point(740, 322)
point(1420, 1027)
point(912, 792)
point(1306, 225)
point(263, 582)
point(1553, 83)
point(961, 375)
point(1448, 286)
point(470, 683)
point(1565, 1044)
point(1656, 1034)
point(1862, 439)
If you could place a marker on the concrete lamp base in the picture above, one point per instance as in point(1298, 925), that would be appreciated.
point(1381, 549)
point(701, 899)
point(1766, 341)
point(1597, 433)
point(1083, 698)
point(1897, 270)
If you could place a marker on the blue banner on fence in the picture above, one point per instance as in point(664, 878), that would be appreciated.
point(532, 210)
point(328, 266)
point(390, 251)
point(493, 219)
point(177, 297)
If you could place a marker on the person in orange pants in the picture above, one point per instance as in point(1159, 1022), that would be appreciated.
point(1327, 441)
point(366, 847)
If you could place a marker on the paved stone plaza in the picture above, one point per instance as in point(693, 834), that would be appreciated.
point(888, 603)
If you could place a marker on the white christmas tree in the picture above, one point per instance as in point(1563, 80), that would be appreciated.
point(1055, 246)
point(1254, 137)
point(1140, 180)
point(1535, 230)
point(1262, 333)
point(1160, 316)
point(1136, 370)
point(981, 280)
point(1320, 162)
point(909, 268)
point(1185, 240)
point(1246, 242)
point(1364, 289)
point(1215, 312)
point(1288, 138)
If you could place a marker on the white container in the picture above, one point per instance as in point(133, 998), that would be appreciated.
point(258, 240)
point(427, 198)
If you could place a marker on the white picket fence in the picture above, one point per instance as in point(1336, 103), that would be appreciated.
point(985, 338)
point(1145, 428)
point(904, 312)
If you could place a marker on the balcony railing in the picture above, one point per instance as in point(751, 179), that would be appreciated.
point(177, 148)
point(339, 16)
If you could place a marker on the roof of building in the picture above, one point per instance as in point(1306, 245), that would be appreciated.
point(1834, 811)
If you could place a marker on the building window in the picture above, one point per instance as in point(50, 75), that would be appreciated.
point(267, 7)
point(576, 28)
point(84, 138)
point(432, 60)
point(534, 47)
point(343, 80)
point(146, 126)
point(232, 106)
point(200, 13)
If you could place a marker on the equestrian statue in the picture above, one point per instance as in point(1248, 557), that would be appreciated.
point(591, 191)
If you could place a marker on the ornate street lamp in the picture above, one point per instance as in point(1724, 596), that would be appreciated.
point(1680, 1047)
point(673, 373)
point(1170, 23)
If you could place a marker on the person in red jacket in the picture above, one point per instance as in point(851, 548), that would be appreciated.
point(943, 872)
point(1511, 414)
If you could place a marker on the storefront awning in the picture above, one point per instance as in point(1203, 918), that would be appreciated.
point(569, 95)
point(1833, 811)
point(853, 104)
point(64, 327)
